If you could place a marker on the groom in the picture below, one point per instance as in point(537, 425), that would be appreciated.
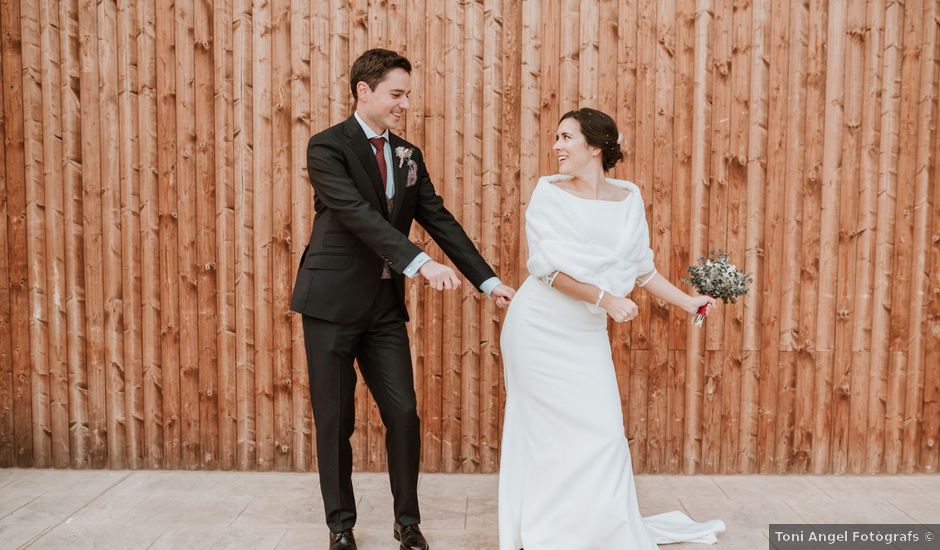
point(369, 184)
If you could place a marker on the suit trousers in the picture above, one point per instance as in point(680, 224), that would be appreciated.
point(379, 341)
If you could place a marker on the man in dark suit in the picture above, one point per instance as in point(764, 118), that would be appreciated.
point(369, 185)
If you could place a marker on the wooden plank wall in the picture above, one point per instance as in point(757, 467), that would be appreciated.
point(154, 200)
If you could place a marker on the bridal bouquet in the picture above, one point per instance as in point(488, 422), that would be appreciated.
point(715, 276)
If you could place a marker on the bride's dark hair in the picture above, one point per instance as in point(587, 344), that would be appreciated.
point(599, 131)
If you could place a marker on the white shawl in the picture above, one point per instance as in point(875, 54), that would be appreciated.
point(558, 241)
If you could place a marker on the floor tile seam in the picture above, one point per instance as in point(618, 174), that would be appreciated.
point(77, 510)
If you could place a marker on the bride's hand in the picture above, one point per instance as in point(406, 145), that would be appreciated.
point(619, 309)
point(696, 302)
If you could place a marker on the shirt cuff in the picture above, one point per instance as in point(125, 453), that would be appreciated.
point(489, 284)
point(416, 264)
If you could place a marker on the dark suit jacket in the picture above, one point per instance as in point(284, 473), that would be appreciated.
point(354, 234)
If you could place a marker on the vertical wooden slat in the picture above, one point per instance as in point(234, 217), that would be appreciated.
point(73, 234)
point(186, 149)
point(849, 365)
point(492, 184)
point(33, 118)
point(884, 372)
point(129, 195)
point(205, 254)
point(588, 54)
point(899, 335)
point(471, 306)
point(283, 267)
point(111, 233)
point(55, 227)
point(637, 425)
point(415, 48)
point(262, 171)
point(716, 402)
point(756, 166)
point(697, 213)
point(660, 221)
point(169, 232)
point(510, 154)
point(309, 60)
point(7, 425)
point(152, 366)
point(243, 102)
point(340, 61)
point(805, 436)
point(828, 240)
point(222, 54)
point(688, 110)
point(549, 84)
point(569, 37)
point(790, 398)
point(431, 419)
point(865, 258)
point(896, 373)
point(777, 63)
point(917, 439)
point(91, 221)
point(930, 440)
point(607, 59)
point(450, 188)
point(732, 433)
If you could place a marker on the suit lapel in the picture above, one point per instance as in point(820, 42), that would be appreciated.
point(400, 173)
point(363, 149)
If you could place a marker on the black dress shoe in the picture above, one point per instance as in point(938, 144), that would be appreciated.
point(410, 537)
point(344, 540)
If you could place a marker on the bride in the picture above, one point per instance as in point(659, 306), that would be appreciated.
point(566, 481)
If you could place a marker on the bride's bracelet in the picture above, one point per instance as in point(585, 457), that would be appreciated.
point(600, 296)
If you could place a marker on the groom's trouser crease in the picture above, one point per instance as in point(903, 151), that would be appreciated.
point(380, 342)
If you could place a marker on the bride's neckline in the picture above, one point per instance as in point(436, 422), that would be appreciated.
point(569, 193)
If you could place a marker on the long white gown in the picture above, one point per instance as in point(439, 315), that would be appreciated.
point(566, 480)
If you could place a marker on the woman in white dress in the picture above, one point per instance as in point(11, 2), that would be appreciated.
point(566, 481)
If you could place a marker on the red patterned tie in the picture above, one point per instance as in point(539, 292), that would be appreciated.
point(379, 144)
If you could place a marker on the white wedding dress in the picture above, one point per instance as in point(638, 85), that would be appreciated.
point(566, 480)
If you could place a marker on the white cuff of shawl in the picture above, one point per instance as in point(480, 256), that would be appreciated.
point(488, 286)
point(416, 264)
point(550, 278)
point(646, 278)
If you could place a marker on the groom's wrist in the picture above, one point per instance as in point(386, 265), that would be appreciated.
point(488, 286)
point(412, 269)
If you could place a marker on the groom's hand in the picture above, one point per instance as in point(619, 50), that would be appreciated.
point(439, 276)
point(503, 295)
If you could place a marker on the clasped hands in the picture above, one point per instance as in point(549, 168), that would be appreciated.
point(442, 277)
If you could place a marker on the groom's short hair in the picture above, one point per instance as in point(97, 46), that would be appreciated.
point(372, 66)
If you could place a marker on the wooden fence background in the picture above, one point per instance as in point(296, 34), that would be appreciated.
point(155, 200)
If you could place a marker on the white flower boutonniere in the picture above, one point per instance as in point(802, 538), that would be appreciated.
point(403, 154)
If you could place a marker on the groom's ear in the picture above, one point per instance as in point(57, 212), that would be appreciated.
point(362, 88)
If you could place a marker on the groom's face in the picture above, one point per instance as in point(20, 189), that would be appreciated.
point(384, 107)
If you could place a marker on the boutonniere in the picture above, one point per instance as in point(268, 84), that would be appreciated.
point(403, 154)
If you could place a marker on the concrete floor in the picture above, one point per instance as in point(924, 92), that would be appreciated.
point(191, 510)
